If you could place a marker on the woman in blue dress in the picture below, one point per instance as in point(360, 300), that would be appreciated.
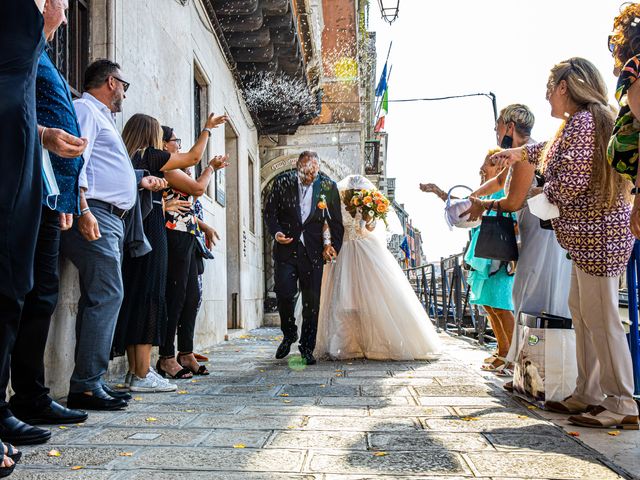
point(490, 281)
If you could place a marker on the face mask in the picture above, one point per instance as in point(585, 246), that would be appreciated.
point(507, 142)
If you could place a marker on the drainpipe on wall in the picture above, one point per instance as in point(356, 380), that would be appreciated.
point(110, 8)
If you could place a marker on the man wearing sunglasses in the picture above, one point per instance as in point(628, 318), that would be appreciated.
point(94, 244)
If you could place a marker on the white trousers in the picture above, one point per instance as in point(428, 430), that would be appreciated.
point(605, 372)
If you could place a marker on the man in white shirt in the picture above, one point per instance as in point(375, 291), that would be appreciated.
point(108, 191)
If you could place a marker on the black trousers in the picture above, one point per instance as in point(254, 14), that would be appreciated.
point(183, 294)
point(299, 269)
point(26, 325)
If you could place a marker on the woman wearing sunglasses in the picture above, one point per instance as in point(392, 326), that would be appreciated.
point(622, 153)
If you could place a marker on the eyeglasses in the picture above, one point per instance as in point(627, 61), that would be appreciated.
point(612, 45)
point(178, 141)
point(125, 85)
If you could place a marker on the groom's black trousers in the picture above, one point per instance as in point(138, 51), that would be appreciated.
point(299, 268)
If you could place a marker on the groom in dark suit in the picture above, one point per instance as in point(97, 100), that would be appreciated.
point(299, 204)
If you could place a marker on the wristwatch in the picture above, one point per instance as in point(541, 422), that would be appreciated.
point(208, 130)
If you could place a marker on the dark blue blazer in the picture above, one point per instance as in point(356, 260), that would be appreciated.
point(282, 214)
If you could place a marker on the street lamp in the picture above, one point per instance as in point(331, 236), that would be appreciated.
point(389, 10)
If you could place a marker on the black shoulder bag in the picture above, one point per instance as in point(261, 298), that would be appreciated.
point(497, 238)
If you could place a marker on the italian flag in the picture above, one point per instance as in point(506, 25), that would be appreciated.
point(384, 109)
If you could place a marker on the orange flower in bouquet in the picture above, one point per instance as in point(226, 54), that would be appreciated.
point(372, 204)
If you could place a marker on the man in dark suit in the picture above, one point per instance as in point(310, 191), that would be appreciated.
point(299, 205)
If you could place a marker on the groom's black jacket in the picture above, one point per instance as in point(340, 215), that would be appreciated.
point(282, 214)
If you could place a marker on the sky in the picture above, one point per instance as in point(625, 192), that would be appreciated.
point(450, 48)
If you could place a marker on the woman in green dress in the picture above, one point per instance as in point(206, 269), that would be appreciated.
point(490, 281)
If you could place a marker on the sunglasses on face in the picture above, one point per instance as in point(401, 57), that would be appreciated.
point(125, 85)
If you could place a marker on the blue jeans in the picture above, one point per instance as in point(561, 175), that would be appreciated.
point(101, 292)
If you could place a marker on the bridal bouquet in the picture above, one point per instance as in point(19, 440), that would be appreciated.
point(372, 204)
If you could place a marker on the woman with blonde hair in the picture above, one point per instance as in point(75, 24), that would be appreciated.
point(143, 315)
point(490, 282)
point(594, 227)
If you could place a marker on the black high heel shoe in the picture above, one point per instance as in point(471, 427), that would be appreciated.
point(181, 375)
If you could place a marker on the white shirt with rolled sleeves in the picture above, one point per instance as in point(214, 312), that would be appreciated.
point(107, 174)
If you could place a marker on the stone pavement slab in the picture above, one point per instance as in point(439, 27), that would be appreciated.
point(399, 463)
point(257, 418)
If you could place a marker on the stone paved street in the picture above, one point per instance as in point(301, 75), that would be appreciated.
point(259, 418)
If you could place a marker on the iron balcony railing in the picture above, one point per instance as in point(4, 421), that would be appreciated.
point(446, 299)
point(372, 157)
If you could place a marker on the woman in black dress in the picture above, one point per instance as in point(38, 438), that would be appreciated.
point(143, 314)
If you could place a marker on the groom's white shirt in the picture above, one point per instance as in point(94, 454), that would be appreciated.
point(306, 200)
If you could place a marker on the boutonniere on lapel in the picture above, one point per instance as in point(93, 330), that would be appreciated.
point(322, 205)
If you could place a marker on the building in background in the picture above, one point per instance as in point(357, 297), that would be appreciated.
point(406, 247)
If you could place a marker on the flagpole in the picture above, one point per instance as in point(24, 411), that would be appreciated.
point(389, 51)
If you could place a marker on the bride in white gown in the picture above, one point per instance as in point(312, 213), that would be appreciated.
point(367, 306)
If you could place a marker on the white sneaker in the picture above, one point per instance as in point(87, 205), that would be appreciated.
point(150, 384)
point(160, 379)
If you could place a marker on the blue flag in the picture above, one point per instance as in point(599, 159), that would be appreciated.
point(404, 246)
point(382, 84)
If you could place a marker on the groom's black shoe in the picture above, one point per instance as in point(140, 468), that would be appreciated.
point(285, 347)
point(308, 358)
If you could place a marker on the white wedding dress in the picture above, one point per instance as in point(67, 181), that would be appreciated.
point(367, 306)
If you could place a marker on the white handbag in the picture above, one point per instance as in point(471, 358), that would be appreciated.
point(455, 207)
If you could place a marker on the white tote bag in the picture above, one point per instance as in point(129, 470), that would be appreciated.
point(545, 366)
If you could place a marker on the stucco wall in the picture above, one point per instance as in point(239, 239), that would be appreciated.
point(157, 43)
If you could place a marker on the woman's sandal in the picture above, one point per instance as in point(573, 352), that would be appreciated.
point(202, 369)
point(183, 374)
point(505, 370)
point(6, 471)
point(491, 359)
point(13, 453)
point(492, 367)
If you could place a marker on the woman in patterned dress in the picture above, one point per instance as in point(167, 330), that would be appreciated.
point(594, 228)
point(183, 295)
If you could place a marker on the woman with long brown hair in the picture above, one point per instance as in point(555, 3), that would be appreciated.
point(594, 227)
point(143, 315)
